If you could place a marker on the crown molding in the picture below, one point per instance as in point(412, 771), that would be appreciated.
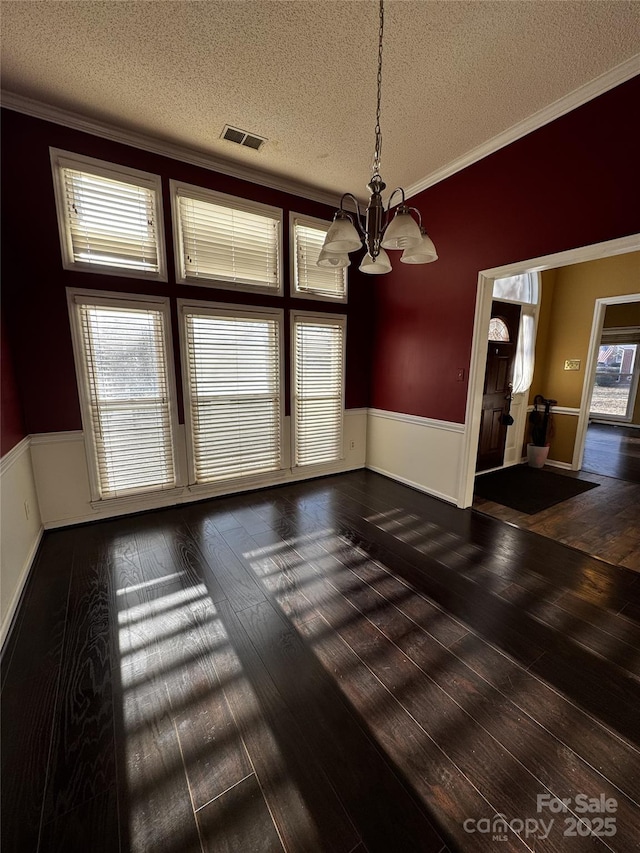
point(609, 80)
point(76, 121)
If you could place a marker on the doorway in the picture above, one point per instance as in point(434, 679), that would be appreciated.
point(486, 278)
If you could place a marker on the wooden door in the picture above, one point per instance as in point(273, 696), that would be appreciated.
point(501, 350)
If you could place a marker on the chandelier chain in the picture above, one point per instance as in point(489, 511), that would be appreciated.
point(378, 149)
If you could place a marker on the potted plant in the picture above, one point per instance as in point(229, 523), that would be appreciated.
point(541, 430)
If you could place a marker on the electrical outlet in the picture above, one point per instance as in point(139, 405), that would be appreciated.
point(27, 509)
point(352, 446)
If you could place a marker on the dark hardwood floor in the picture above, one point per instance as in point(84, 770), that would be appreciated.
point(613, 451)
point(341, 665)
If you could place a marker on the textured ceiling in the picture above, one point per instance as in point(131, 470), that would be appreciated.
point(303, 74)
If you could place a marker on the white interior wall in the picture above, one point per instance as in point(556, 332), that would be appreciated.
point(20, 528)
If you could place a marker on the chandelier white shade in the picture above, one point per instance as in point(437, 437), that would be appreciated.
point(335, 260)
point(342, 236)
point(379, 266)
point(422, 253)
point(403, 232)
point(379, 229)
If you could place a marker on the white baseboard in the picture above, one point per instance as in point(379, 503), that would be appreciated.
point(614, 423)
point(188, 497)
point(555, 464)
point(7, 625)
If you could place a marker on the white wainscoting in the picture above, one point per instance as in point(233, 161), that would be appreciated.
point(420, 452)
point(62, 476)
point(20, 534)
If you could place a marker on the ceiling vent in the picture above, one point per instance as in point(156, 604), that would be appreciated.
point(242, 137)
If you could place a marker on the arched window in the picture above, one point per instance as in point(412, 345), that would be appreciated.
point(498, 330)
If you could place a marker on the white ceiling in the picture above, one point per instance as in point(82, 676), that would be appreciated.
point(303, 74)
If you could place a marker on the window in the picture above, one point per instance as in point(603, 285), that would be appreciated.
point(125, 387)
point(221, 240)
point(233, 394)
point(109, 217)
point(517, 288)
point(524, 289)
point(318, 343)
point(307, 278)
point(617, 371)
point(498, 330)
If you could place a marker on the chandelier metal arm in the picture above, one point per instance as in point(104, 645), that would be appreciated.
point(359, 216)
point(397, 190)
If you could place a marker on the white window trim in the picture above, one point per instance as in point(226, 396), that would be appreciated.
point(314, 222)
point(318, 317)
point(231, 310)
point(66, 159)
point(121, 300)
point(223, 199)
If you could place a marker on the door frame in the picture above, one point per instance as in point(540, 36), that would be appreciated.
point(590, 373)
point(484, 295)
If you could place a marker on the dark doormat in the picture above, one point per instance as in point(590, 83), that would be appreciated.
point(527, 489)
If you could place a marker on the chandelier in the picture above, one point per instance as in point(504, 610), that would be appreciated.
point(378, 230)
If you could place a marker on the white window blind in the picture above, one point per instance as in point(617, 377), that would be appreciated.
point(227, 240)
point(309, 278)
point(127, 396)
point(318, 388)
point(234, 396)
point(109, 217)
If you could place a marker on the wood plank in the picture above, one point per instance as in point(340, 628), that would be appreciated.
point(92, 826)
point(358, 771)
point(26, 725)
point(507, 627)
point(35, 645)
point(616, 759)
point(543, 556)
point(83, 749)
point(487, 765)
point(240, 589)
point(154, 799)
point(239, 820)
point(189, 560)
point(449, 795)
point(211, 745)
point(551, 764)
point(609, 755)
point(298, 791)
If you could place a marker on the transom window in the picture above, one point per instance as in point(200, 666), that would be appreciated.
point(224, 241)
point(307, 278)
point(109, 217)
point(517, 288)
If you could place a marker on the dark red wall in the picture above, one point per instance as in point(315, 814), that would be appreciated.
point(34, 298)
point(572, 183)
point(11, 424)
